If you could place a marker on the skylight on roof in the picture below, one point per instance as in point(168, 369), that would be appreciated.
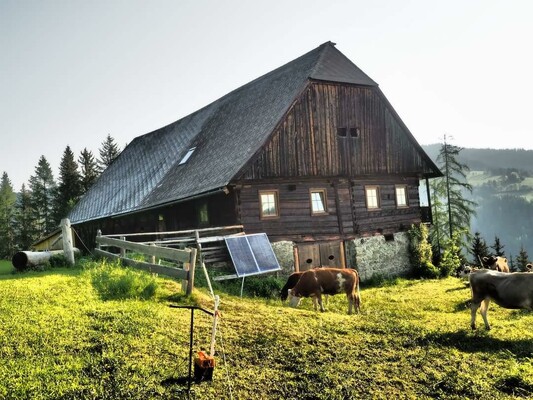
point(187, 156)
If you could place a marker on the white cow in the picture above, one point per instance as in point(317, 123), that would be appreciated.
point(509, 290)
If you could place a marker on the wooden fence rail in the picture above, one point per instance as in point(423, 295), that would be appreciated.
point(185, 256)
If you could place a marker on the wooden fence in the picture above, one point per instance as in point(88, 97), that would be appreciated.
point(178, 247)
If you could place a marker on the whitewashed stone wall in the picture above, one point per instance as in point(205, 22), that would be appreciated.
point(285, 254)
point(375, 255)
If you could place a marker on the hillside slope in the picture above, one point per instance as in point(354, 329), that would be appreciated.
point(59, 340)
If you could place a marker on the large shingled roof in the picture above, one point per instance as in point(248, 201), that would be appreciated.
point(225, 135)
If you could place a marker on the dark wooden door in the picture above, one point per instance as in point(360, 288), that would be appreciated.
point(328, 254)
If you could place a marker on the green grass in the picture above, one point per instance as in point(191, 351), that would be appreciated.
point(60, 340)
point(6, 267)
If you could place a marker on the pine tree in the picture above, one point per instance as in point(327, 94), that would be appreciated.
point(522, 259)
point(26, 231)
point(108, 153)
point(498, 247)
point(42, 188)
point(89, 169)
point(479, 249)
point(69, 186)
point(452, 209)
point(7, 213)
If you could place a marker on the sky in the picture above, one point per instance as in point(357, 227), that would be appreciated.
point(74, 71)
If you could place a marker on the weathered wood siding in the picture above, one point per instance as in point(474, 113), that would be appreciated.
point(295, 221)
point(387, 218)
point(347, 217)
point(307, 141)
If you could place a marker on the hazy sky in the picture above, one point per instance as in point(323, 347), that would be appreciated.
point(73, 71)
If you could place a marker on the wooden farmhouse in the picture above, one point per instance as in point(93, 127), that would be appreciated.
point(312, 154)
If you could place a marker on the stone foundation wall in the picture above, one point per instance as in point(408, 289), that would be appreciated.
point(377, 256)
point(370, 256)
point(284, 252)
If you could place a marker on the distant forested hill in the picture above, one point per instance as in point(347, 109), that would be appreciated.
point(503, 188)
point(489, 159)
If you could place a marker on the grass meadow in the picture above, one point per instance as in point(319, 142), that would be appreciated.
point(64, 335)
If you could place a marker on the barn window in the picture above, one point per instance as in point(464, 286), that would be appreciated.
point(269, 203)
point(203, 213)
point(187, 156)
point(401, 196)
point(354, 132)
point(372, 197)
point(341, 132)
point(318, 201)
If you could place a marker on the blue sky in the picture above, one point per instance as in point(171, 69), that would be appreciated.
point(73, 71)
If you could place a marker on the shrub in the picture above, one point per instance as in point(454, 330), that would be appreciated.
point(114, 282)
point(421, 253)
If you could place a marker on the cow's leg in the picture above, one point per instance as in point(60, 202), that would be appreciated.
point(350, 298)
point(484, 309)
point(473, 313)
point(315, 303)
point(319, 298)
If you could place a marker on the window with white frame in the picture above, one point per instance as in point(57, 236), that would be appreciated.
point(401, 196)
point(372, 197)
point(268, 200)
point(318, 201)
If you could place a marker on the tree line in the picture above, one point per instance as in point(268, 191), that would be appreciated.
point(448, 243)
point(39, 207)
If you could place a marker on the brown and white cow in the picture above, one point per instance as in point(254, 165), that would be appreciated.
point(328, 281)
point(509, 290)
point(292, 280)
point(496, 263)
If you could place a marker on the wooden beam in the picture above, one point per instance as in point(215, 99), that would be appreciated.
point(160, 252)
point(154, 268)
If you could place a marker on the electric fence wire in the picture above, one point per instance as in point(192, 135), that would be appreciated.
point(81, 240)
point(228, 378)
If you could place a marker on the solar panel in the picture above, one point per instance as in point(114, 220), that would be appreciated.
point(252, 254)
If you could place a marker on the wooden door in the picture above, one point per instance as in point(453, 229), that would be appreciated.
point(328, 254)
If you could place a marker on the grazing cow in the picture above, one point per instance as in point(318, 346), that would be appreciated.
point(529, 267)
point(464, 271)
point(291, 282)
point(509, 290)
point(329, 281)
point(496, 263)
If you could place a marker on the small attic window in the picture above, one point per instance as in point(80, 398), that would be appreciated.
point(187, 156)
point(341, 132)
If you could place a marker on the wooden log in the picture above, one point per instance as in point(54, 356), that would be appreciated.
point(26, 259)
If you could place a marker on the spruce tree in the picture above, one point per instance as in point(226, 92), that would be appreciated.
point(498, 247)
point(7, 213)
point(26, 230)
point(522, 259)
point(453, 210)
point(89, 169)
point(42, 188)
point(108, 153)
point(69, 186)
point(479, 249)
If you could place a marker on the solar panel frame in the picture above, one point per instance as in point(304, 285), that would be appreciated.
point(252, 254)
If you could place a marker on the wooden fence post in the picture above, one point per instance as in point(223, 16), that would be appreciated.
point(189, 267)
point(68, 248)
point(98, 234)
point(122, 249)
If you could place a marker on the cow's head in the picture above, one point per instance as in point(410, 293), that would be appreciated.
point(497, 263)
point(294, 300)
point(463, 271)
